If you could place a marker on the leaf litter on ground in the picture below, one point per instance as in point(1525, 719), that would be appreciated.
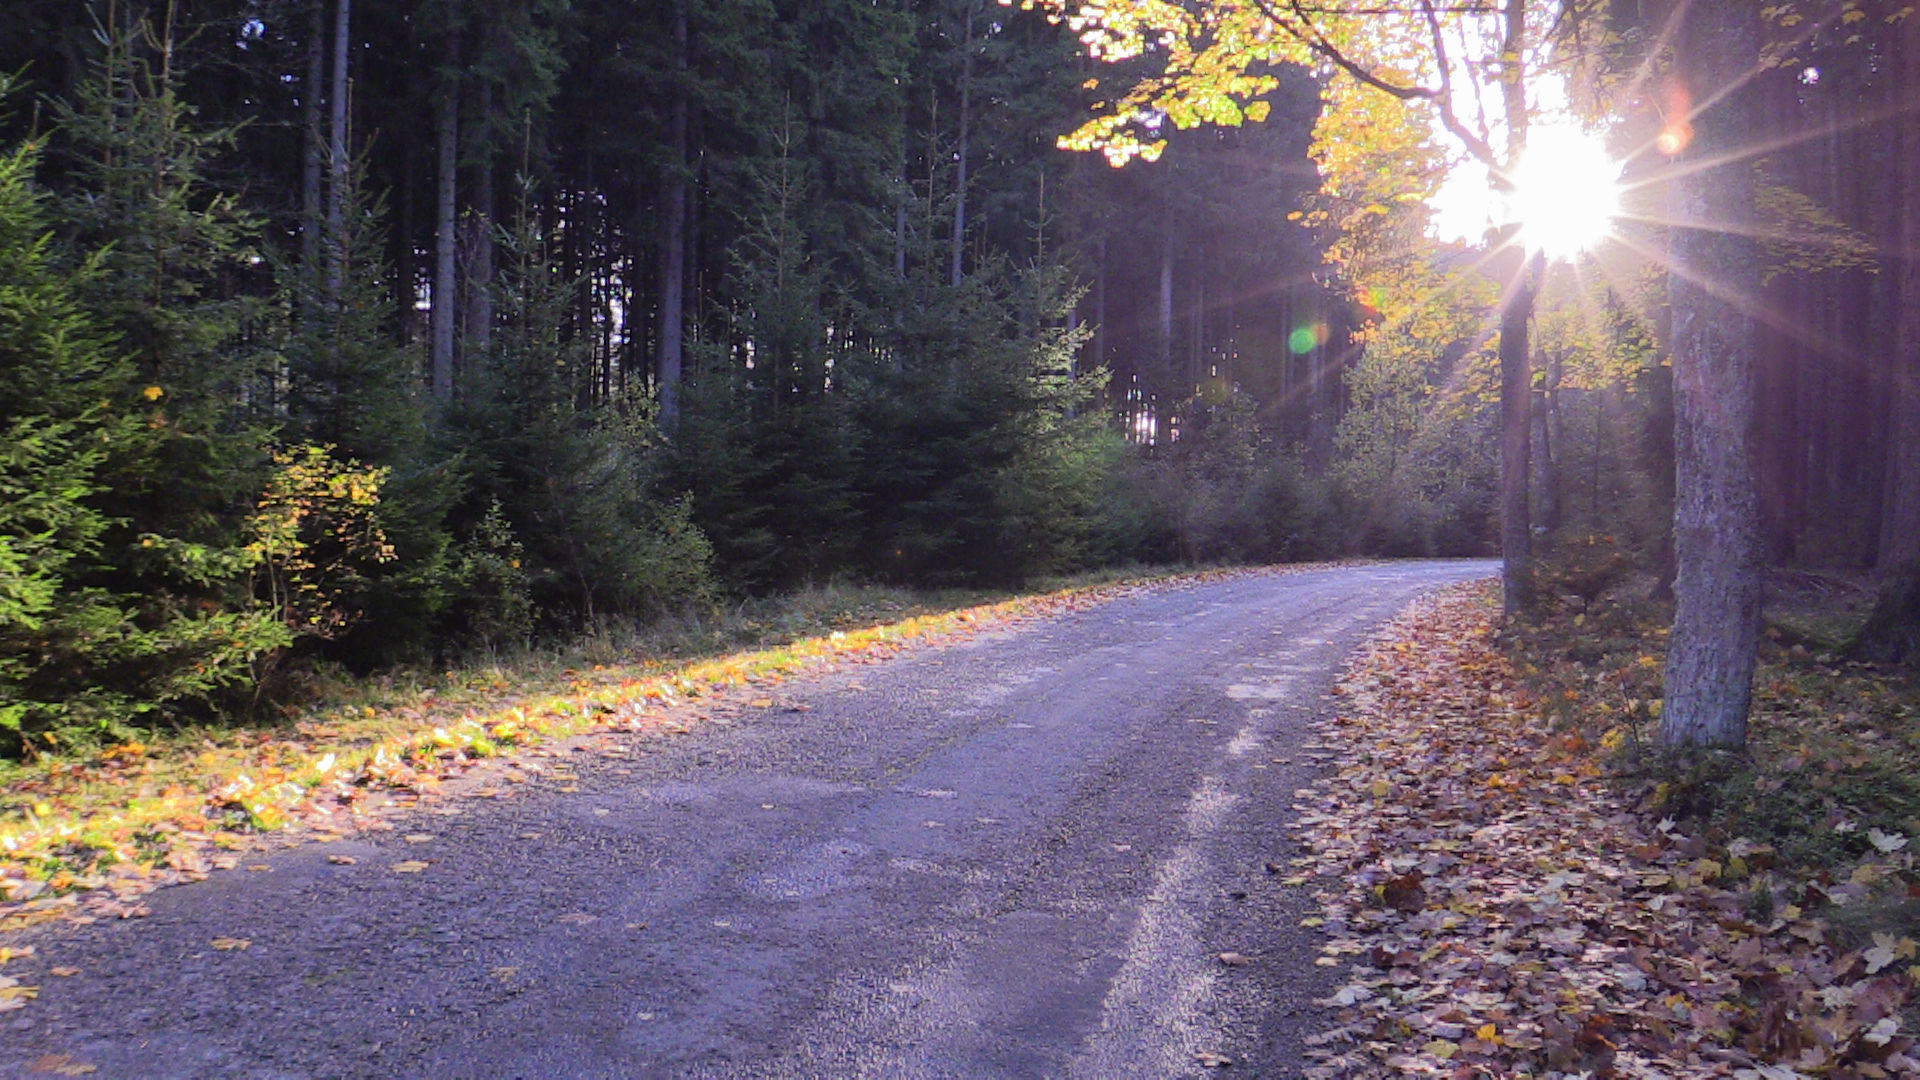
point(1501, 907)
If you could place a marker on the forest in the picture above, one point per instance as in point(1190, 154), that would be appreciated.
point(394, 333)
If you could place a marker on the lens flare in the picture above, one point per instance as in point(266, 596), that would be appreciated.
point(1566, 192)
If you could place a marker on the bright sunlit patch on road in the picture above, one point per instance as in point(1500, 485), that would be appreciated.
point(1566, 192)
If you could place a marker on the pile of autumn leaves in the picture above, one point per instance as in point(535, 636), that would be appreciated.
point(1501, 909)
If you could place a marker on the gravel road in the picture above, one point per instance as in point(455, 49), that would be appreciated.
point(1016, 855)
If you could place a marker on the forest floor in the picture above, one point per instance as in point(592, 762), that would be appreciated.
point(1515, 885)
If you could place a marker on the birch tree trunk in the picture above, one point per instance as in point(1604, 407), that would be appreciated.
point(1714, 281)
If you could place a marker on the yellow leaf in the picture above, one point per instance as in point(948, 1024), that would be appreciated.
point(1487, 1034)
point(761, 703)
point(1382, 789)
point(152, 393)
point(60, 1065)
point(231, 944)
point(1443, 1049)
point(410, 866)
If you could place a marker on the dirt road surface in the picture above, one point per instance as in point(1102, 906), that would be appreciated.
point(1017, 855)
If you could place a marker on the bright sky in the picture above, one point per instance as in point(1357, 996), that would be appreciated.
point(1568, 184)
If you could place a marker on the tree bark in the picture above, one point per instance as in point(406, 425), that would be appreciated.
point(1100, 306)
point(669, 358)
point(312, 216)
point(1714, 282)
point(1899, 547)
point(960, 179)
point(1551, 446)
point(337, 151)
point(1164, 330)
point(1516, 376)
point(480, 262)
point(1892, 631)
point(446, 282)
point(1516, 445)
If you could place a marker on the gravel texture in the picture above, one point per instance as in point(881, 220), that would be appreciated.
point(1019, 854)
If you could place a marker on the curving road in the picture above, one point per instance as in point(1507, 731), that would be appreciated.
point(1015, 856)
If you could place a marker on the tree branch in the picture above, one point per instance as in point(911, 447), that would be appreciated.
point(1310, 36)
point(1443, 99)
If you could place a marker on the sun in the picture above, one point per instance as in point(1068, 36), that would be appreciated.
point(1566, 192)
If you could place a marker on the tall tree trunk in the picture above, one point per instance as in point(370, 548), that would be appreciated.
point(1892, 631)
point(669, 358)
point(480, 263)
point(1551, 447)
point(312, 216)
point(960, 180)
point(1899, 547)
point(1516, 376)
point(446, 282)
point(1163, 342)
point(339, 167)
point(1516, 443)
point(1197, 329)
point(1100, 306)
point(1716, 624)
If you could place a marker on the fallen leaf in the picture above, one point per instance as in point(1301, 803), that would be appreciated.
point(342, 860)
point(409, 866)
point(63, 972)
point(577, 918)
point(1210, 1060)
point(419, 838)
point(60, 1065)
point(1877, 958)
point(761, 703)
point(1234, 959)
point(231, 944)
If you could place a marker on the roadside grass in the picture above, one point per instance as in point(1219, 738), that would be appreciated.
point(1827, 796)
point(84, 836)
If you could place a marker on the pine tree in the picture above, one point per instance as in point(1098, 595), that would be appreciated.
point(79, 658)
